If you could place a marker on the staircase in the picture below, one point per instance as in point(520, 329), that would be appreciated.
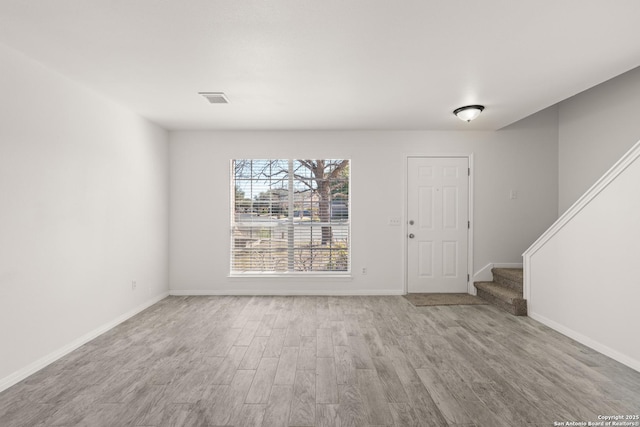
point(505, 291)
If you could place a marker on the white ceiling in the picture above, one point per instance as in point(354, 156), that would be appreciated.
point(329, 64)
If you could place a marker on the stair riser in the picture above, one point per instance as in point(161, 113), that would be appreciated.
point(506, 281)
point(518, 308)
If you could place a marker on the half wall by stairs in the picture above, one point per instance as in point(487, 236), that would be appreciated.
point(581, 276)
point(505, 291)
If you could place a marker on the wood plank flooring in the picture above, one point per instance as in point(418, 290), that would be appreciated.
point(323, 361)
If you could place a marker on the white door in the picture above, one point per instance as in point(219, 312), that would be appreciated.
point(437, 228)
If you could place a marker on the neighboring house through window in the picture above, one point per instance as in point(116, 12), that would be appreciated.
point(290, 216)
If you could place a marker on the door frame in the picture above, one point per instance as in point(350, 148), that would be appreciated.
point(405, 215)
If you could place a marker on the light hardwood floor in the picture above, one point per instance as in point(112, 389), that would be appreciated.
point(323, 361)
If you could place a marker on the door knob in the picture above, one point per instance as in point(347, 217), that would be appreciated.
point(411, 236)
point(411, 222)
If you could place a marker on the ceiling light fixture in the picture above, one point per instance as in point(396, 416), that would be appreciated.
point(215, 97)
point(469, 112)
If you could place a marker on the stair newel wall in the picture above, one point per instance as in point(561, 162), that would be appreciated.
point(580, 275)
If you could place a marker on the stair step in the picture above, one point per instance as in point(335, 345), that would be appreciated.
point(510, 277)
point(502, 296)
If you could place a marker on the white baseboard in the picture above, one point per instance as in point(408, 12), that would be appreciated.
point(583, 339)
point(301, 292)
point(34, 367)
point(485, 275)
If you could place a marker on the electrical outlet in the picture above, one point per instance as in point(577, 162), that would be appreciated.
point(364, 270)
point(134, 285)
point(513, 194)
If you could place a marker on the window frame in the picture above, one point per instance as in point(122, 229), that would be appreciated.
point(334, 274)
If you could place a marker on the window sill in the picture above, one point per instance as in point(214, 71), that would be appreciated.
point(311, 277)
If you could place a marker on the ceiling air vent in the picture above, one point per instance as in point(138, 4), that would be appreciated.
point(215, 97)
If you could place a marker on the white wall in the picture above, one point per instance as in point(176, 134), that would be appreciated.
point(596, 127)
point(521, 157)
point(582, 279)
point(83, 212)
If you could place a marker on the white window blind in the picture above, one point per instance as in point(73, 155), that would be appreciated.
point(290, 216)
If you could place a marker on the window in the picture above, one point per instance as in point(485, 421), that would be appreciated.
point(290, 216)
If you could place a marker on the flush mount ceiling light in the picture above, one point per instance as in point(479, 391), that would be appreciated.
point(469, 112)
point(215, 97)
